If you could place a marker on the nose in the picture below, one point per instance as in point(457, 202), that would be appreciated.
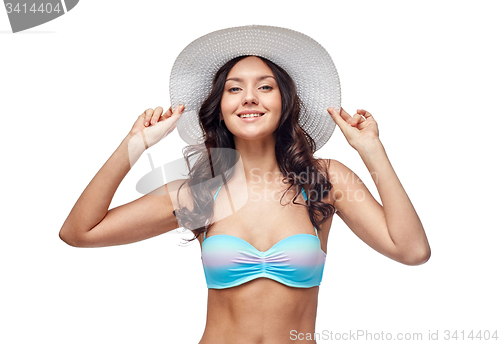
point(250, 98)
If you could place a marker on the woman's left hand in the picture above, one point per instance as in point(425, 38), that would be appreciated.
point(359, 130)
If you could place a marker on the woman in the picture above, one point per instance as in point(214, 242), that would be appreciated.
point(263, 261)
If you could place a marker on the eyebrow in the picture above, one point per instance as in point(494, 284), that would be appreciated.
point(258, 79)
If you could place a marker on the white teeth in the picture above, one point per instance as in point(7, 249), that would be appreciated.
point(251, 115)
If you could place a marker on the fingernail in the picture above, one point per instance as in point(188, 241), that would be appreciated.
point(146, 123)
point(181, 108)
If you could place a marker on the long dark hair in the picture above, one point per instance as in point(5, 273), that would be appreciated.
point(294, 154)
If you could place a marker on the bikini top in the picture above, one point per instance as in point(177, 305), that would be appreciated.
point(296, 261)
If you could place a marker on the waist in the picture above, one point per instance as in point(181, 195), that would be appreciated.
point(260, 311)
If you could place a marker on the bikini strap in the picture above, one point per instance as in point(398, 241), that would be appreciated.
point(217, 191)
point(304, 193)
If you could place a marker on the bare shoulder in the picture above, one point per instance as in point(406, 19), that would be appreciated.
point(344, 181)
point(338, 173)
point(331, 167)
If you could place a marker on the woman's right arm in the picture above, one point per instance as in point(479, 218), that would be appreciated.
point(91, 224)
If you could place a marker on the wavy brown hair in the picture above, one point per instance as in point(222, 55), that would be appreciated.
point(294, 154)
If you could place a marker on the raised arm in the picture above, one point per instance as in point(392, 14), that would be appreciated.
point(91, 224)
point(394, 228)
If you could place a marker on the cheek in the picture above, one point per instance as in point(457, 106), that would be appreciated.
point(228, 105)
point(277, 104)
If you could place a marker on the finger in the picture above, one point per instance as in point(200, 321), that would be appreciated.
point(178, 111)
point(157, 113)
point(357, 113)
point(168, 125)
point(338, 119)
point(147, 118)
point(364, 113)
point(358, 119)
point(168, 113)
point(347, 117)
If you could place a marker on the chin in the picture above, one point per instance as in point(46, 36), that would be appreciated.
point(254, 137)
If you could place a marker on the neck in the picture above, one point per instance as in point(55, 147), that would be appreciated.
point(259, 160)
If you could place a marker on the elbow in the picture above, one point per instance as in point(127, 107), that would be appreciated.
point(417, 258)
point(66, 238)
point(70, 239)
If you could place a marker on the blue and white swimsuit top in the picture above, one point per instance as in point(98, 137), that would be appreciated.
point(296, 261)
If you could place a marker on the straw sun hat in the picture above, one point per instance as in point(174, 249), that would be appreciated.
point(304, 59)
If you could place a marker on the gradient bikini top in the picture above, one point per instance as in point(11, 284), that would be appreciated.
point(296, 261)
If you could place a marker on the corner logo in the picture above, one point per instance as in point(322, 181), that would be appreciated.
point(27, 14)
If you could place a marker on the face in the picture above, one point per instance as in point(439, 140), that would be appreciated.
point(251, 89)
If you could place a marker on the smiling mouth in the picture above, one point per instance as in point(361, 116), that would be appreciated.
point(251, 115)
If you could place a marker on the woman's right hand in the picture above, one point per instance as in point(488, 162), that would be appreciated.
point(153, 126)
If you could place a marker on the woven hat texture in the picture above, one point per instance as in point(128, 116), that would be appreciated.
point(304, 59)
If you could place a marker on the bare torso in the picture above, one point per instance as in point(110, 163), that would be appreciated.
point(263, 311)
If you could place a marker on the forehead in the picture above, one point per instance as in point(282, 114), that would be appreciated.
point(250, 66)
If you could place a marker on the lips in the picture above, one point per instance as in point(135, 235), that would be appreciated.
point(253, 113)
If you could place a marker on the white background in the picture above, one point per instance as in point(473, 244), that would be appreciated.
point(71, 89)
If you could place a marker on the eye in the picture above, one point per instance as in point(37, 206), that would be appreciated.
point(234, 89)
point(266, 88)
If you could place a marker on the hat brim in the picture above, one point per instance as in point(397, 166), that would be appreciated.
point(304, 59)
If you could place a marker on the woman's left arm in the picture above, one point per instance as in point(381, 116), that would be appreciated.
point(403, 235)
